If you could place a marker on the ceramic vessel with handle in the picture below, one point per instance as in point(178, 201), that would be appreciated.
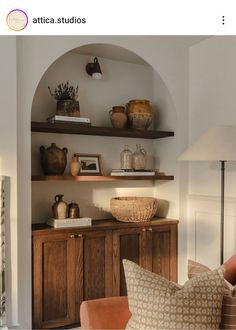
point(53, 159)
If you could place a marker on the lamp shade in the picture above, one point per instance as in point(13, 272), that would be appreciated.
point(217, 143)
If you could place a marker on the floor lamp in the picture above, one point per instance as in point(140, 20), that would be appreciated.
point(216, 144)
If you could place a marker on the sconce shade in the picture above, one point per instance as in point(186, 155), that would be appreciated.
point(217, 143)
point(94, 70)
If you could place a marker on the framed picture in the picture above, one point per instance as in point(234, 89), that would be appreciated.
point(90, 164)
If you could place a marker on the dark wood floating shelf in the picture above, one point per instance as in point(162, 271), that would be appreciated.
point(97, 130)
point(100, 178)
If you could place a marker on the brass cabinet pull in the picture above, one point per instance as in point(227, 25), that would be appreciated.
point(150, 229)
point(144, 229)
point(76, 236)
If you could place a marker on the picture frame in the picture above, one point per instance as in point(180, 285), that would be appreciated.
point(89, 164)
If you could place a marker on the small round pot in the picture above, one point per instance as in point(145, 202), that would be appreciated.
point(68, 108)
point(63, 107)
point(74, 109)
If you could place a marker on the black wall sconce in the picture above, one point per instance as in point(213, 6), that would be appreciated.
point(93, 69)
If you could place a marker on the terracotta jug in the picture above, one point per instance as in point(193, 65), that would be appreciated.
point(53, 159)
point(118, 117)
point(60, 208)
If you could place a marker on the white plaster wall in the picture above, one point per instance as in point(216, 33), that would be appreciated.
point(35, 55)
point(8, 163)
point(212, 102)
point(173, 115)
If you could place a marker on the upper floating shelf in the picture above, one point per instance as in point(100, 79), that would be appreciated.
point(97, 130)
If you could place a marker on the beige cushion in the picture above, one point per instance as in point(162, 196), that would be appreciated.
point(228, 316)
point(156, 303)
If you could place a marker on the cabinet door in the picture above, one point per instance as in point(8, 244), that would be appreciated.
point(93, 267)
point(161, 256)
point(127, 244)
point(53, 281)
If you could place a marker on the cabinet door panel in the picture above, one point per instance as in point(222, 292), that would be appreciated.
point(96, 248)
point(53, 281)
point(127, 244)
point(94, 267)
point(163, 251)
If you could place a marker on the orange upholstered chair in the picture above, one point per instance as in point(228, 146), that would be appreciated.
point(105, 313)
point(113, 313)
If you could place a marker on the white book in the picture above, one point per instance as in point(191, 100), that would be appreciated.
point(133, 173)
point(62, 223)
point(69, 119)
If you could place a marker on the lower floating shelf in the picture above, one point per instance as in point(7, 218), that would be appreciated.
point(102, 178)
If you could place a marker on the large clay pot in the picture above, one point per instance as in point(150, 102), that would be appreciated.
point(139, 106)
point(118, 117)
point(139, 114)
point(53, 159)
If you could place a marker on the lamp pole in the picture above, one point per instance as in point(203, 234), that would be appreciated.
point(222, 211)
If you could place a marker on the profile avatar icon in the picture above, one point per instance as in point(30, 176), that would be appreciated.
point(17, 20)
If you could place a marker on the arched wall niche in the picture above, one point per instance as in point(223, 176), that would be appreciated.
point(125, 76)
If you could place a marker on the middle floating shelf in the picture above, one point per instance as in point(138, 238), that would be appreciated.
point(101, 178)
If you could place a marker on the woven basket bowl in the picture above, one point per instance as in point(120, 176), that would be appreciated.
point(133, 209)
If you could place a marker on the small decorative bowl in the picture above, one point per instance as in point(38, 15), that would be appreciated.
point(133, 209)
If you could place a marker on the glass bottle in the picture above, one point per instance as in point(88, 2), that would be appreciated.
point(139, 158)
point(126, 159)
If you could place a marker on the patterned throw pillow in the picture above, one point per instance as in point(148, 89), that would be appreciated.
point(228, 315)
point(156, 303)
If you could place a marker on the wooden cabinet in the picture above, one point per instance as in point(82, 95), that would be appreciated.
point(152, 247)
point(75, 264)
point(67, 269)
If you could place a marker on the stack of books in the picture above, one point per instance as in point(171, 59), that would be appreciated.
point(121, 172)
point(68, 222)
point(67, 119)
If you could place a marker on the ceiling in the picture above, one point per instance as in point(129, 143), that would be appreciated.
point(121, 54)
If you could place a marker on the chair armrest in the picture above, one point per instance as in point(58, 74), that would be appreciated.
point(105, 313)
point(230, 270)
